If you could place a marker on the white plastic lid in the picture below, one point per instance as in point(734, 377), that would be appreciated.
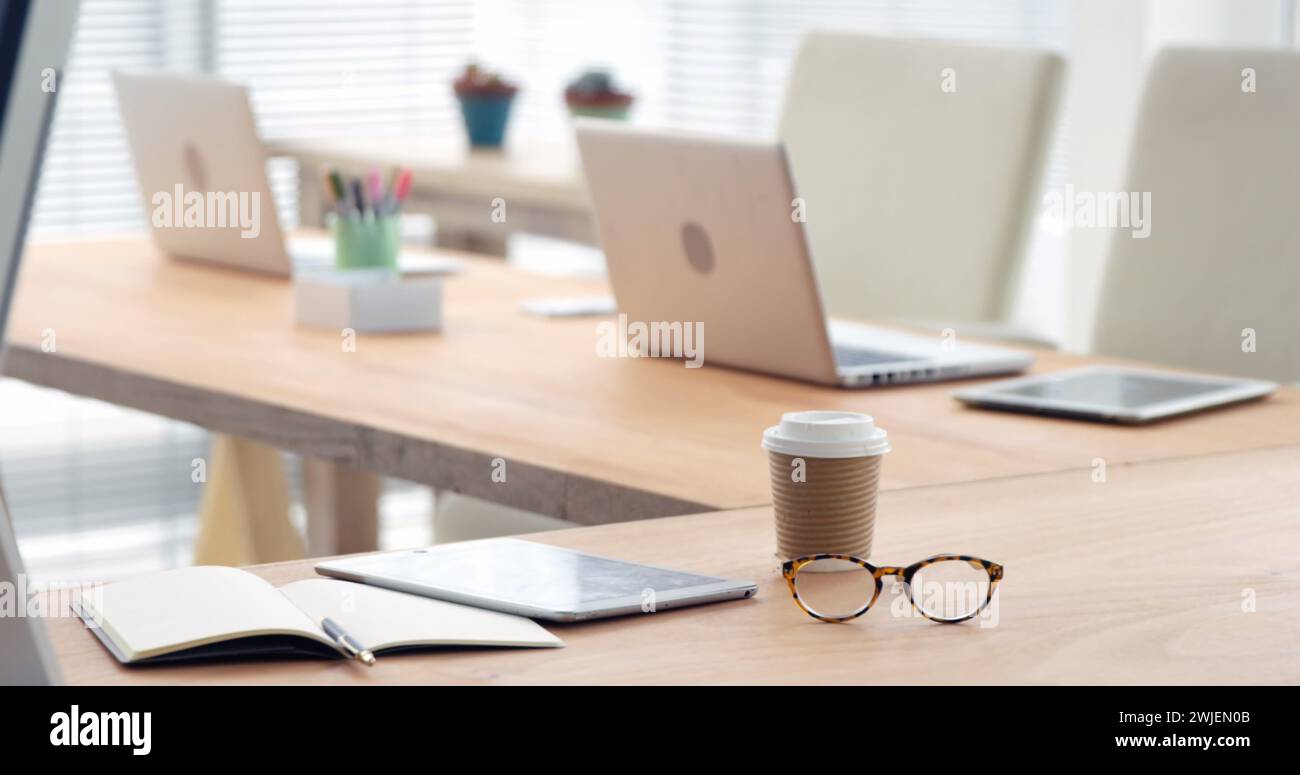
point(826, 435)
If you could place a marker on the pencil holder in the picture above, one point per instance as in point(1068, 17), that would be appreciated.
point(367, 243)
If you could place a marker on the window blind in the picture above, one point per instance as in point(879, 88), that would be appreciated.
point(338, 68)
point(727, 60)
point(87, 181)
point(345, 68)
point(341, 69)
point(721, 65)
point(717, 65)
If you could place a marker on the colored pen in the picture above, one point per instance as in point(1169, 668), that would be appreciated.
point(340, 193)
point(360, 195)
point(402, 187)
point(375, 182)
point(390, 202)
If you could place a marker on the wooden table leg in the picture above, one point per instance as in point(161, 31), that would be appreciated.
point(342, 508)
point(244, 518)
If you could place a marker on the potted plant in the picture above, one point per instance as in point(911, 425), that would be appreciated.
point(594, 94)
point(485, 98)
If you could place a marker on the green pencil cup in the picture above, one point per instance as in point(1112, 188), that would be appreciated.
point(367, 243)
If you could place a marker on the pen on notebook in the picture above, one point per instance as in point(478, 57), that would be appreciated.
point(349, 644)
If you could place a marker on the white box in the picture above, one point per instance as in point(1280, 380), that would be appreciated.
point(368, 300)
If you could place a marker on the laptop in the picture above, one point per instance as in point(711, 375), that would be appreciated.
point(706, 230)
point(198, 135)
point(34, 36)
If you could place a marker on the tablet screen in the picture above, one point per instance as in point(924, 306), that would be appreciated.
point(526, 573)
point(1121, 389)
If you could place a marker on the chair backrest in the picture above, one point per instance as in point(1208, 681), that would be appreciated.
point(919, 162)
point(1217, 146)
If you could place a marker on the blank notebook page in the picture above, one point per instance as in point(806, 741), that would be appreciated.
point(192, 606)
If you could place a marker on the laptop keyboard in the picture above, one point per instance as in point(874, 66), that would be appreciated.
point(856, 356)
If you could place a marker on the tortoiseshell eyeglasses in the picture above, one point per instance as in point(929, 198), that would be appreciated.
point(947, 588)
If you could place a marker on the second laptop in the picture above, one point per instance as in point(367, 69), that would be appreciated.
point(709, 230)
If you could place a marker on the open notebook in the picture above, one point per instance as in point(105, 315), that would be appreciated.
point(210, 611)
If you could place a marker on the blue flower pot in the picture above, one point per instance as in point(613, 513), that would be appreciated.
point(485, 117)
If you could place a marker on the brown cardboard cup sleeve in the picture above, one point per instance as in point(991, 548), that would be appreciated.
point(825, 472)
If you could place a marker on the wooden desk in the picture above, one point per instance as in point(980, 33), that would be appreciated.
point(1181, 571)
point(583, 438)
point(541, 184)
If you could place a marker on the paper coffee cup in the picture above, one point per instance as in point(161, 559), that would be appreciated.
point(825, 469)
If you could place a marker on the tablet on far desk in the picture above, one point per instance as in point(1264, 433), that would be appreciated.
point(1114, 394)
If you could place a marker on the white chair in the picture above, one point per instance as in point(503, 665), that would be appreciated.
point(1221, 265)
point(920, 162)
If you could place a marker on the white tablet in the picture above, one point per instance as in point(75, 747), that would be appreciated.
point(535, 580)
point(1114, 394)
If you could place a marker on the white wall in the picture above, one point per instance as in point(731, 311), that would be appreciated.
point(1217, 22)
point(1106, 70)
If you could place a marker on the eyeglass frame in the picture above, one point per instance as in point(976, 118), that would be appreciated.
point(790, 569)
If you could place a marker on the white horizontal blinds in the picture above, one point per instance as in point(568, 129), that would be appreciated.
point(330, 68)
point(725, 63)
point(87, 182)
point(350, 67)
point(342, 69)
point(721, 65)
point(727, 60)
point(715, 65)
